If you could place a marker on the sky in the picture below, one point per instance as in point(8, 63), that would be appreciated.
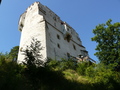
point(82, 15)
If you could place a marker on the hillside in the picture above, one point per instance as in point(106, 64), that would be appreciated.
point(57, 75)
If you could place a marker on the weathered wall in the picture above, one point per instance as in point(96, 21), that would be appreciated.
point(41, 23)
point(59, 47)
point(34, 27)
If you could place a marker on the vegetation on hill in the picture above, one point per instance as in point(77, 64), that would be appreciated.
point(34, 74)
point(57, 75)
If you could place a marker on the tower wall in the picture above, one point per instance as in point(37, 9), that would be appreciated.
point(33, 26)
point(58, 38)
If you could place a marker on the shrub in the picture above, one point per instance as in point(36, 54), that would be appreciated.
point(103, 76)
point(90, 71)
point(53, 64)
point(81, 67)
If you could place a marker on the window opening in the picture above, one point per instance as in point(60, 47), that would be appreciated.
point(58, 45)
point(67, 29)
point(68, 55)
point(68, 37)
point(58, 36)
point(74, 47)
point(21, 25)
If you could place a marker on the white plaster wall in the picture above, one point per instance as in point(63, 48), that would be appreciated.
point(34, 26)
point(65, 47)
point(40, 24)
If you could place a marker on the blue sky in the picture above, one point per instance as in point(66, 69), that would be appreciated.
point(82, 15)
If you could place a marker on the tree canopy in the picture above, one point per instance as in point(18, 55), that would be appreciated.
point(108, 38)
point(14, 53)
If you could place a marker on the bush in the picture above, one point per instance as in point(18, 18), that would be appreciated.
point(53, 64)
point(61, 65)
point(11, 76)
point(90, 71)
point(67, 64)
point(103, 76)
point(81, 67)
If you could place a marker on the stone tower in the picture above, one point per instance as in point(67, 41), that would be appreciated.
point(58, 38)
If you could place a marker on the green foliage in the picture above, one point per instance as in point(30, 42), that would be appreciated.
point(53, 64)
point(107, 36)
point(102, 75)
point(62, 65)
point(4, 57)
point(81, 67)
point(67, 64)
point(11, 76)
point(84, 77)
point(90, 71)
point(32, 54)
point(95, 76)
point(14, 53)
point(55, 75)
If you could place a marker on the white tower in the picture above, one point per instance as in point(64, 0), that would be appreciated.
point(58, 38)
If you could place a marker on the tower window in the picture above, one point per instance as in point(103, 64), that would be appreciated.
point(58, 36)
point(21, 25)
point(74, 47)
point(58, 45)
point(67, 29)
point(68, 55)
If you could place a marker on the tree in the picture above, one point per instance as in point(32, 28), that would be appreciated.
point(4, 56)
point(14, 53)
point(108, 38)
point(33, 55)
